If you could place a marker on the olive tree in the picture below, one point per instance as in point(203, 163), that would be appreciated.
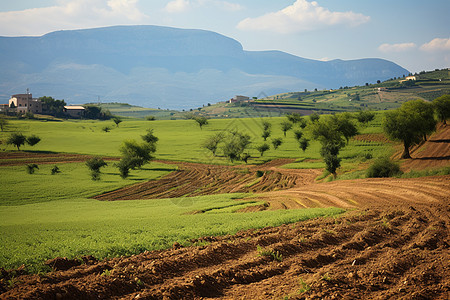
point(235, 144)
point(33, 140)
point(266, 130)
point(212, 142)
point(442, 107)
point(201, 121)
point(407, 124)
point(277, 143)
point(117, 121)
point(16, 139)
point(345, 125)
point(263, 148)
point(285, 126)
point(326, 131)
point(3, 122)
point(94, 164)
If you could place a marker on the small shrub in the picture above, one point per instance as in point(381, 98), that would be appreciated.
point(259, 173)
point(276, 255)
point(150, 118)
point(245, 157)
point(33, 140)
point(304, 287)
point(106, 128)
point(31, 168)
point(368, 155)
point(55, 170)
point(383, 167)
point(94, 164)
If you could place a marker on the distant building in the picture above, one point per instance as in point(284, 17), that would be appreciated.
point(4, 108)
point(23, 103)
point(412, 78)
point(75, 111)
point(239, 98)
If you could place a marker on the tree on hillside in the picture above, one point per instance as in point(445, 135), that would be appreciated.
point(442, 107)
point(54, 107)
point(117, 121)
point(266, 130)
point(16, 139)
point(277, 143)
point(345, 125)
point(303, 143)
point(285, 126)
point(298, 134)
point(266, 125)
point(149, 137)
point(201, 121)
point(235, 144)
point(331, 139)
point(94, 164)
point(314, 117)
point(137, 154)
point(96, 112)
point(294, 118)
point(33, 140)
point(265, 134)
point(263, 148)
point(3, 122)
point(212, 142)
point(406, 124)
point(365, 117)
point(426, 114)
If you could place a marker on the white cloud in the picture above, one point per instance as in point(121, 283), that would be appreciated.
point(70, 14)
point(178, 6)
point(387, 48)
point(302, 16)
point(436, 45)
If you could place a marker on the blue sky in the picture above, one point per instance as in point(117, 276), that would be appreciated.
point(415, 34)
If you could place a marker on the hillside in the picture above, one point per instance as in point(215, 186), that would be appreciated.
point(165, 67)
point(386, 95)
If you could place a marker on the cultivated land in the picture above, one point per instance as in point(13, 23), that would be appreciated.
point(222, 222)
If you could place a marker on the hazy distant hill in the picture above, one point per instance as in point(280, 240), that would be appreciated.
point(165, 67)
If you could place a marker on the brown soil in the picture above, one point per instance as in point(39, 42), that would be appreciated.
point(434, 153)
point(394, 246)
point(193, 179)
point(21, 158)
point(372, 137)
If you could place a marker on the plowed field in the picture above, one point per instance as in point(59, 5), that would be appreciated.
point(431, 154)
point(394, 246)
point(199, 179)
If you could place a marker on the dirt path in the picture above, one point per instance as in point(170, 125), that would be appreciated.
point(21, 158)
point(395, 246)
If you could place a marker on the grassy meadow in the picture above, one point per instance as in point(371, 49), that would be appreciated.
point(43, 216)
point(181, 140)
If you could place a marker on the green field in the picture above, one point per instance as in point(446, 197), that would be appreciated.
point(43, 216)
point(181, 140)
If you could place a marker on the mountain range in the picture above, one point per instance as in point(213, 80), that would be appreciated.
point(165, 67)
